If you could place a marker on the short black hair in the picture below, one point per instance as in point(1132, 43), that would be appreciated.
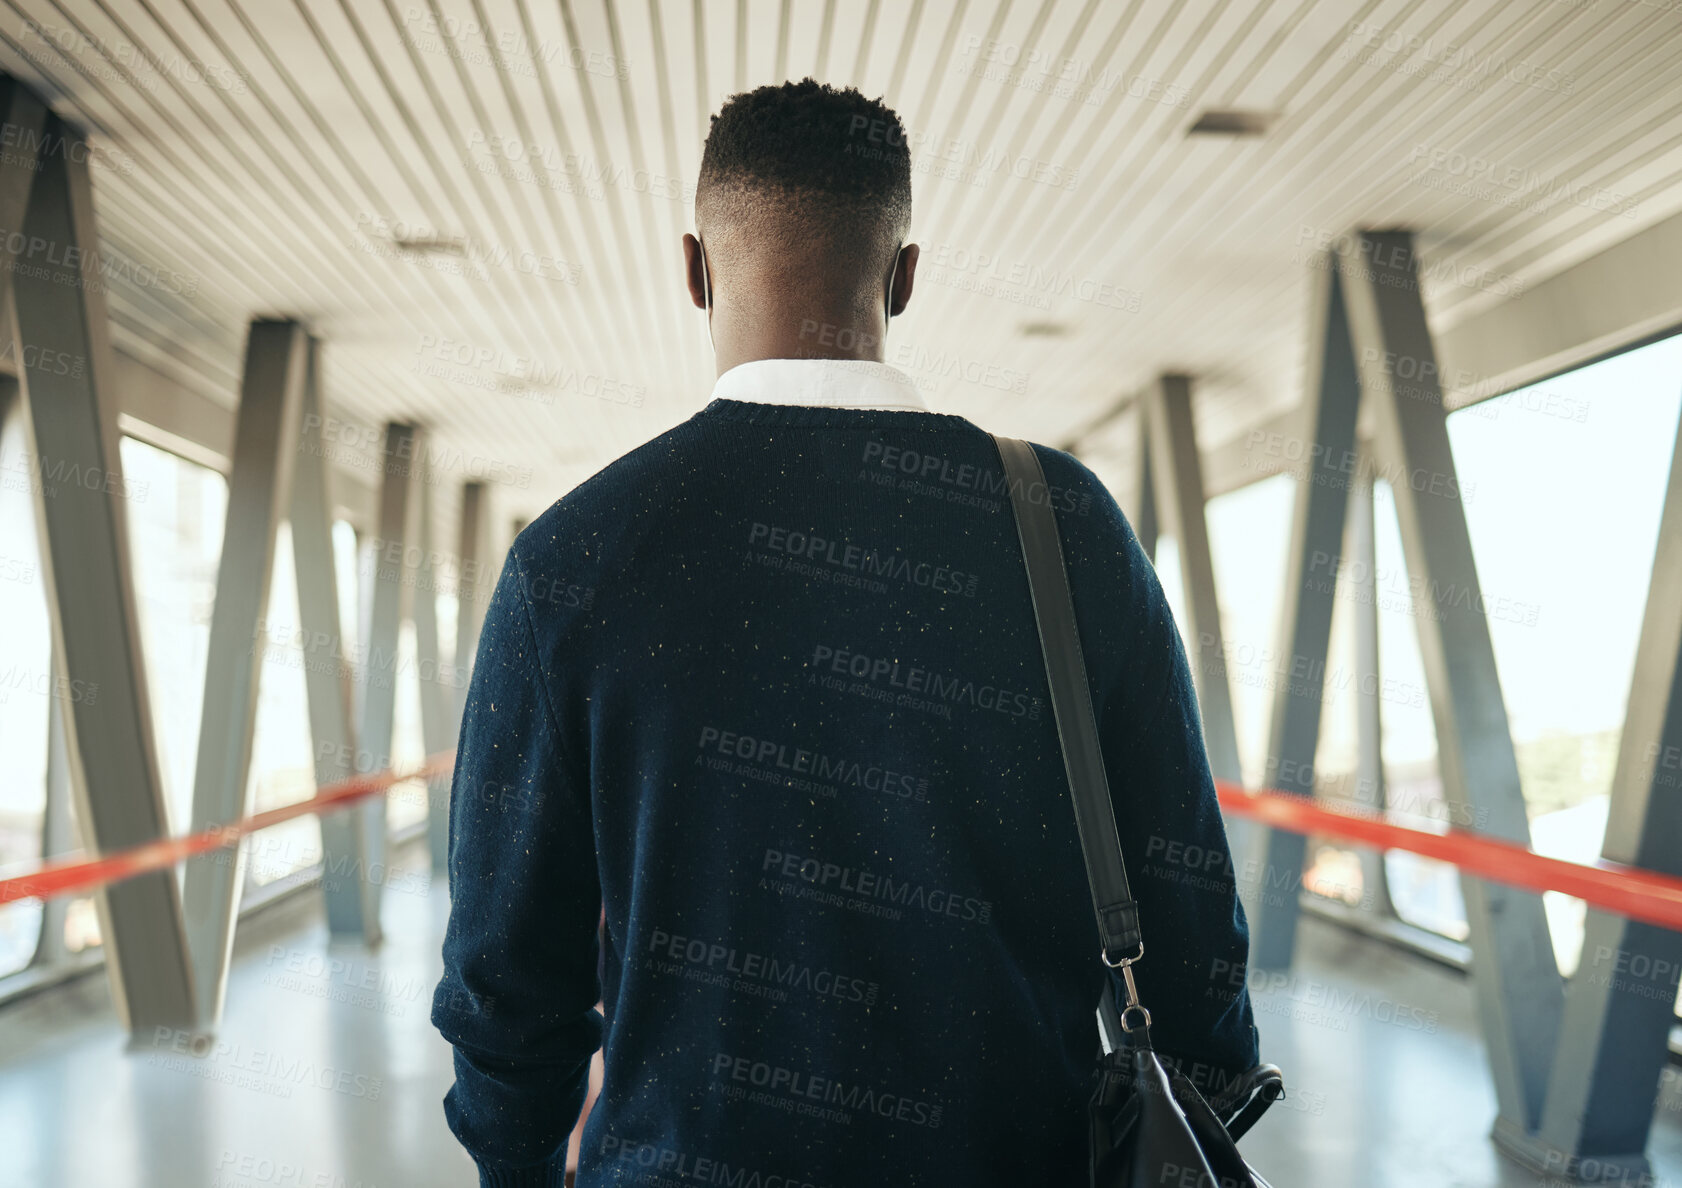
point(834, 162)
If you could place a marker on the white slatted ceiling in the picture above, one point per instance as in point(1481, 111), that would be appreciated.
point(346, 118)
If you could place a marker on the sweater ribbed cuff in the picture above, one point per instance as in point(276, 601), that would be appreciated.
point(551, 1174)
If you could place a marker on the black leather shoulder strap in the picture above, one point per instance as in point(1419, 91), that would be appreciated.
point(1071, 701)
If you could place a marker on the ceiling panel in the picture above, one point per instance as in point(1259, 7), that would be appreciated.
point(477, 203)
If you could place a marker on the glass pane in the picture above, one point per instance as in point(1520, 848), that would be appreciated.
point(407, 804)
point(1425, 892)
point(175, 543)
point(1167, 562)
point(1569, 478)
point(81, 926)
point(282, 758)
point(345, 570)
point(1249, 538)
point(1332, 871)
point(27, 686)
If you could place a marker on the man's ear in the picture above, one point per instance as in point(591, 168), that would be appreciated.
point(905, 277)
point(694, 274)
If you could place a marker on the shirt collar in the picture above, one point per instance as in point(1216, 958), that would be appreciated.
point(823, 383)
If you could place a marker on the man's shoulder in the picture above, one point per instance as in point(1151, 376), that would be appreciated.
point(1079, 496)
point(613, 498)
point(1063, 468)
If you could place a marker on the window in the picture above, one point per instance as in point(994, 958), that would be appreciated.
point(282, 754)
point(1423, 891)
point(27, 683)
point(1567, 481)
point(1249, 543)
point(283, 758)
point(175, 543)
point(1332, 870)
point(175, 538)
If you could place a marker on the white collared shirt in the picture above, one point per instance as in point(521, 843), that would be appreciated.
point(822, 383)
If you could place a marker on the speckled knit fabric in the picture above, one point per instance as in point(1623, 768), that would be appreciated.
point(767, 690)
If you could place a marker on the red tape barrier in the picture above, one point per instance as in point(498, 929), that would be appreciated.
point(1625, 890)
point(72, 874)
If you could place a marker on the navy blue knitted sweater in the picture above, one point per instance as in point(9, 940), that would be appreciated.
point(764, 698)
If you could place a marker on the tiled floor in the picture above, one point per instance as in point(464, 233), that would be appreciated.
point(328, 1075)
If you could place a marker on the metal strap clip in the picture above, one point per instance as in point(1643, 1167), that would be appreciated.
point(1125, 965)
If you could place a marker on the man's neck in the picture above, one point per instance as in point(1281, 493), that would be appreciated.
point(815, 335)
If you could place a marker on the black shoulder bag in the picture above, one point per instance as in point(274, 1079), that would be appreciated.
point(1148, 1124)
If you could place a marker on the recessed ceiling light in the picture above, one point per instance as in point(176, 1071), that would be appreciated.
point(1044, 329)
point(431, 245)
point(1232, 122)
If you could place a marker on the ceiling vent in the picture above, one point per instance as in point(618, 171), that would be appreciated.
point(1232, 122)
point(431, 245)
